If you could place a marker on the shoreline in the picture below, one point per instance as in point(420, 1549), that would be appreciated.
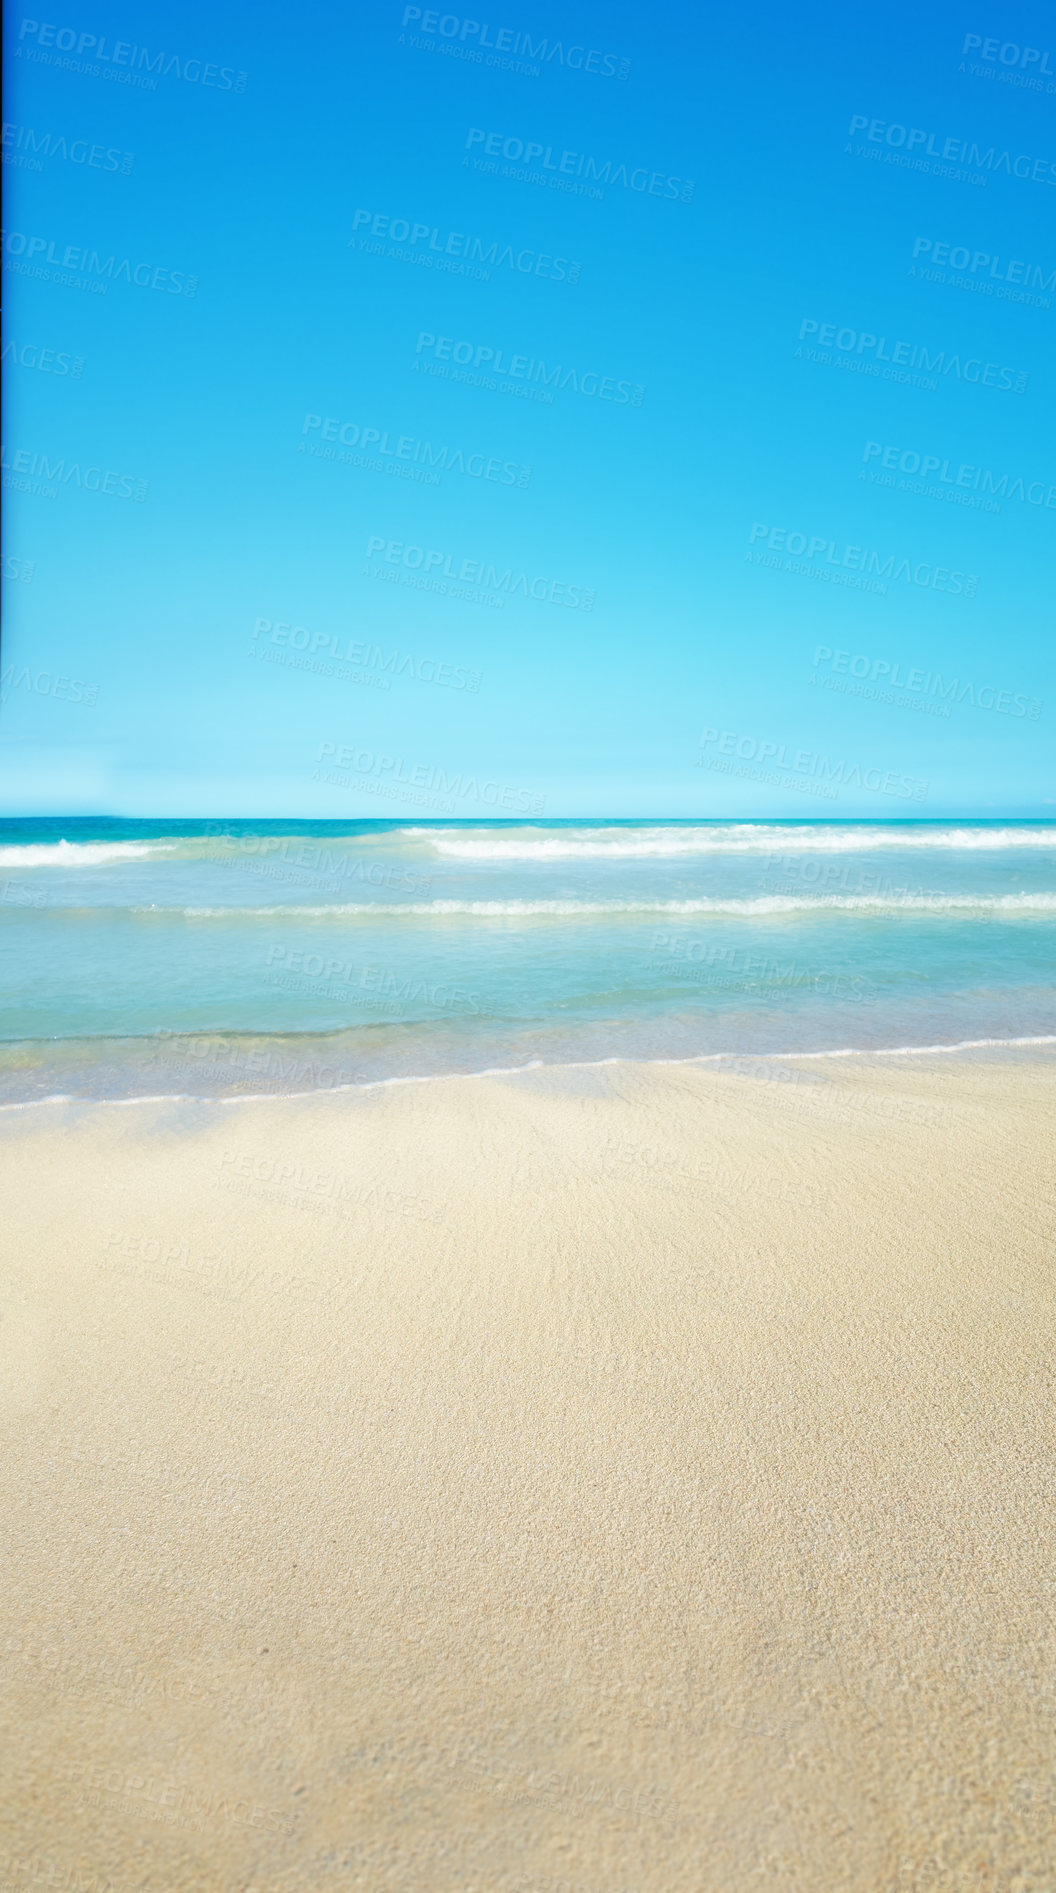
point(510, 1071)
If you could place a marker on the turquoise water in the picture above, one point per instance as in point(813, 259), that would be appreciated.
point(219, 959)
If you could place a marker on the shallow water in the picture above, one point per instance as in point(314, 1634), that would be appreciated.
point(222, 959)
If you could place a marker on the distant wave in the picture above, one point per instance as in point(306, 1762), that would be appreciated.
point(705, 904)
point(645, 842)
point(77, 854)
point(659, 841)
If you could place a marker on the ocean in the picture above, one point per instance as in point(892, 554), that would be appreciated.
point(244, 958)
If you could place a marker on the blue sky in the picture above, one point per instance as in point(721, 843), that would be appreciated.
point(706, 363)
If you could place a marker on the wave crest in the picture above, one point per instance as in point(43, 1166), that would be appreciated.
point(76, 854)
point(658, 842)
point(706, 904)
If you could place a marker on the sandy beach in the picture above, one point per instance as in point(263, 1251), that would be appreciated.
point(630, 1479)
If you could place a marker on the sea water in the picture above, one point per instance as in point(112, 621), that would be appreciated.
point(228, 958)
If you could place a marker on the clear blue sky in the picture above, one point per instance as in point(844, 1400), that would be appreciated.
point(701, 188)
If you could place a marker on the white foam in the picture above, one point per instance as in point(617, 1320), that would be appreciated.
point(654, 842)
point(77, 854)
point(750, 907)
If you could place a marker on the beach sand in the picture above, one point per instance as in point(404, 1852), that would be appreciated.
point(612, 1480)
